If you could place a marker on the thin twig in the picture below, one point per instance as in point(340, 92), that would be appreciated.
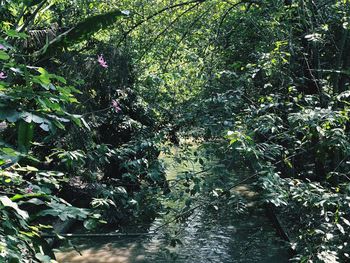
point(156, 14)
point(195, 21)
point(151, 44)
point(32, 17)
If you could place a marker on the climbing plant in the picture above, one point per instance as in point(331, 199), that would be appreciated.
point(267, 82)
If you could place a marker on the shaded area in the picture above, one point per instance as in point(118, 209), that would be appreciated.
point(206, 237)
point(237, 231)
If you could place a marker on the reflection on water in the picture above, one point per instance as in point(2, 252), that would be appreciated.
point(208, 235)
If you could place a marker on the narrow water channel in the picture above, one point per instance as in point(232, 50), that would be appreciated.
point(227, 234)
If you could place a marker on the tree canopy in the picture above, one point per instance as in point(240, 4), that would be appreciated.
point(92, 91)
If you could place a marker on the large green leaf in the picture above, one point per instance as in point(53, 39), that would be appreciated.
point(8, 203)
point(4, 55)
point(81, 31)
point(11, 115)
point(25, 135)
point(15, 34)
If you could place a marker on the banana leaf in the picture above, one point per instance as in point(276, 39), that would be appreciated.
point(81, 31)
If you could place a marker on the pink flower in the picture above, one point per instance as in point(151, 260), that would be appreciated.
point(2, 75)
point(2, 47)
point(29, 189)
point(102, 61)
point(115, 105)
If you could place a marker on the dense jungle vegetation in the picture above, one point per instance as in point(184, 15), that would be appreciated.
point(92, 91)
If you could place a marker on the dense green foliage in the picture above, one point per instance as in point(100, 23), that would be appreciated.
point(91, 91)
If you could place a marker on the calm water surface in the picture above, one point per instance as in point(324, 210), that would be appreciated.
point(227, 235)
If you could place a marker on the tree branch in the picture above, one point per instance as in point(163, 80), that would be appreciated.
point(165, 29)
point(156, 14)
point(32, 17)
